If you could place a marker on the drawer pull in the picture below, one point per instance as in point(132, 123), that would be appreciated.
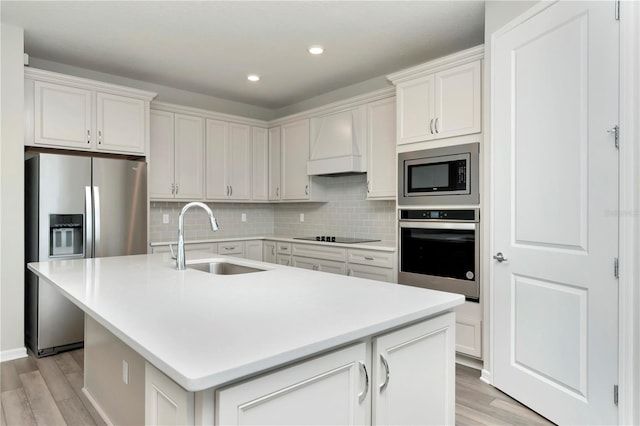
point(369, 258)
point(230, 248)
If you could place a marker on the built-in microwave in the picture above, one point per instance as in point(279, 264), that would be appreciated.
point(439, 176)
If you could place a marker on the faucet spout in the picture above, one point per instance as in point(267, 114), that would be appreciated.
point(180, 258)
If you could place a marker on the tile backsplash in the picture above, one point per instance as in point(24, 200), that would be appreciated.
point(347, 213)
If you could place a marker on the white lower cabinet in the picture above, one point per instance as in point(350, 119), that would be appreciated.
point(253, 250)
point(205, 247)
point(269, 251)
point(370, 272)
point(406, 376)
point(414, 374)
point(166, 403)
point(330, 390)
point(283, 259)
point(232, 248)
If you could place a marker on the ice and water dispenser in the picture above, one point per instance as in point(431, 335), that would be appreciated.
point(66, 235)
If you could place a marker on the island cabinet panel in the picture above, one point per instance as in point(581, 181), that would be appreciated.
point(166, 403)
point(269, 252)
point(330, 389)
point(414, 374)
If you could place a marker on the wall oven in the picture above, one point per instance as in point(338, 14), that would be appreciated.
point(439, 249)
point(439, 176)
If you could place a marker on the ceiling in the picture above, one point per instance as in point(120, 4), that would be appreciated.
point(210, 47)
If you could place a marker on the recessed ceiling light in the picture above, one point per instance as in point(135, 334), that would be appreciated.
point(316, 50)
point(253, 77)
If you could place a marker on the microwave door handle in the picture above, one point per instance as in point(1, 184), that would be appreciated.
point(88, 223)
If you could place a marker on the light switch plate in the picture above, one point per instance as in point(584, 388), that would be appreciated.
point(165, 218)
point(125, 372)
point(243, 217)
point(301, 217)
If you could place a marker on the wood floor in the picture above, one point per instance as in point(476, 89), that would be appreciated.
point(48, 391)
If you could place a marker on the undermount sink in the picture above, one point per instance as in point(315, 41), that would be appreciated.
point(223, 268)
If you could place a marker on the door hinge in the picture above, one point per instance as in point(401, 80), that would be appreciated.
point(616, 134)
point(615, 394)
point(617, 12)
point(616, 268)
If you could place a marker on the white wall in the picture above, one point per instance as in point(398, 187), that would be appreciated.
point(11, 193)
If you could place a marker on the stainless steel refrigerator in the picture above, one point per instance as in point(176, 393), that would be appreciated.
point(76, 207)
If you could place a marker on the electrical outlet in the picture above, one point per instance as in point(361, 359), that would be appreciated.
point(125, 372)
point(165, 218)
point(301, 217)
point(243, 217)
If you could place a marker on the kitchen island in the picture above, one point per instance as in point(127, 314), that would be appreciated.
point(275, 345)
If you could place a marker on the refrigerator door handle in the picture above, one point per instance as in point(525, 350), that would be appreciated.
point(88, 223)
point(96, 219)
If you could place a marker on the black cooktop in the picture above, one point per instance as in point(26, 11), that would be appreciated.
point(331, 239)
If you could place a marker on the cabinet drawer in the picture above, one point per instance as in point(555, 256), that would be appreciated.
point(320, 252)
point(231, 248)
point(283, 248)
point(372, 258)
point(371, 272)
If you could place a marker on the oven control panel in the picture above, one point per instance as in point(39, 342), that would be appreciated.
point(466, 215)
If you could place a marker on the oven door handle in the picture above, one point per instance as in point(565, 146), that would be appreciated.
point(437, 225)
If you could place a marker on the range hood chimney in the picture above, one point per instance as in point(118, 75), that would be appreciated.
point(338, 145)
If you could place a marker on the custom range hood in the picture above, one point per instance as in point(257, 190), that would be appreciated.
point(338, 144)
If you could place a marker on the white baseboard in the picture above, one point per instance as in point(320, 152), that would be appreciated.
point(12, 354)
point(96, 406)
point(474, 363)
point(486, 377)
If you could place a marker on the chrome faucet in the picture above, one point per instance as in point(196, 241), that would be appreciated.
point(180, 260)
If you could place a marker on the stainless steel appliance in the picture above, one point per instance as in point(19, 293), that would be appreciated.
point(439, 176)
point(439, 249)
point(332, 239)
point(75, 207)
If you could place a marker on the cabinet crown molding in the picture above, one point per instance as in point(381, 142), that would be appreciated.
point(85, 83)
point(204, 113)
point(439, 64)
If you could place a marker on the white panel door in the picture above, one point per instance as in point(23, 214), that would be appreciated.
point(458, 101)
point(416, 106)
point(161, 156)
point(239, 161)
point(121, 123)
point(260, 158)
point(327, 390)
point(189, 153)
point(555, 186)
point(62, 116)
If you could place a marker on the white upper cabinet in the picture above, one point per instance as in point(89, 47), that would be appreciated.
point(295, 183)
point(62, 116)
point(176, 167)
point(228, 162)
point(274, 164)
point(75, 113)
point(458, 101)
point(121, 123)
point(381, 140)
point(260, 172)
point(440, 99)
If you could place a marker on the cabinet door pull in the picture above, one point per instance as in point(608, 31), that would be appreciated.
point(436, 126)
point(306, 190)
point(88, 136)
point(386, 369)
point(99, 137)
point(277, 191)
point(230, 190)
point(431, 126)
point(362, 395)
point(173, 189)
point(273, 250)
point(177, 188)
point(348, 272)
point(368, 187)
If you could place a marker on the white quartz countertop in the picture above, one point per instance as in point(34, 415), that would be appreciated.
point(374, 245)
point(204, 330)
